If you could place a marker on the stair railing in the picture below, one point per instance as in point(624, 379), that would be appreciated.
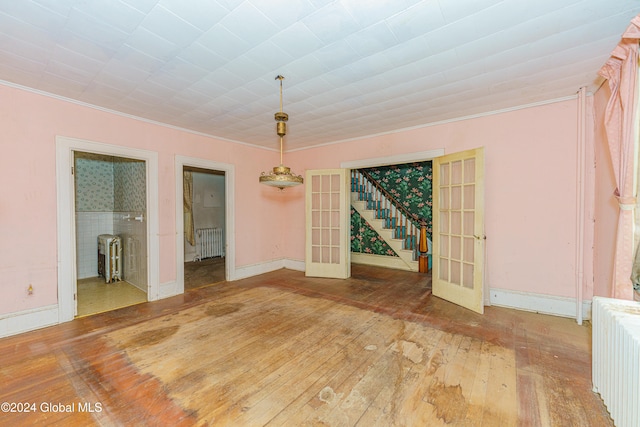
point(379, 199)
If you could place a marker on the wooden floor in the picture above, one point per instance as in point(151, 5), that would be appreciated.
point(203, 273)
point(281, 349)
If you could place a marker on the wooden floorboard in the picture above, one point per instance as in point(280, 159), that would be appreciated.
point(283, 349)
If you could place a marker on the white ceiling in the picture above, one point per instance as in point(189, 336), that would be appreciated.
point(352, 67)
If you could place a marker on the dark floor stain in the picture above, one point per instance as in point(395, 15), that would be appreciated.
point(152, 337)
point(448, 402)
point(219, 310)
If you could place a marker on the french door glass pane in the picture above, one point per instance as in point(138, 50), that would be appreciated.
point(456, 172)
point(444, 269)
point(467, 275)
point(469, 170)
point(469, 196)
point(455, 273)
point(469, 220)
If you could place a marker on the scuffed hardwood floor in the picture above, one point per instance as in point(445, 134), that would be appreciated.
point(281, 349)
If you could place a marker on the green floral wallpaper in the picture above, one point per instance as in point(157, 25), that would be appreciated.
point(365, 239)
point(411, 185)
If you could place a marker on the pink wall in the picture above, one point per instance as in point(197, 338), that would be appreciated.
point(530, 191)
point(29, 124)
point(606, 206)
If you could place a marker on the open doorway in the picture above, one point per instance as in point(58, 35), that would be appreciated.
point(66, 219)
point(193, 163)
point(110, 194)
point(204, 227)
point(391, 214)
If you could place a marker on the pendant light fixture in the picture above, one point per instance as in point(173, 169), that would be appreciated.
point(281, 176)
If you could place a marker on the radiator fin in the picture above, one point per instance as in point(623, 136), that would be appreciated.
point(209, 243)
point(616, 358)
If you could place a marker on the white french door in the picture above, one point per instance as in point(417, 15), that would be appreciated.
point(458, 228)
point(328, 249)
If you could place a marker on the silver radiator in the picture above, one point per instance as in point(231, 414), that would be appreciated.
point(110, 257)
point(209, 243)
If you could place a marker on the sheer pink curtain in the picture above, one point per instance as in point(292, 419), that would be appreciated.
point(621, 71)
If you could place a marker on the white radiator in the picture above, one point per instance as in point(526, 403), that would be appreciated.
point(209, 243)
point(110, 257)
point(616, 358)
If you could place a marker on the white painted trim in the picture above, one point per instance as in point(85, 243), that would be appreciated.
point(229, 209)
point(28, 320)
point(66, 217)
point(260, 268)
point(170, 289)
point(539, 303)
point(294, 264)
point(398, 159)
point(393, 262)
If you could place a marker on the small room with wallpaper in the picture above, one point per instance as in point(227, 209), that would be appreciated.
point(110, 199)
point(411, 213)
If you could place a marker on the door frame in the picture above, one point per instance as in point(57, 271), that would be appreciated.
point(229, 208)
point(66, 227)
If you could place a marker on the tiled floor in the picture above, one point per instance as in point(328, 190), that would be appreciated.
point(96, 296)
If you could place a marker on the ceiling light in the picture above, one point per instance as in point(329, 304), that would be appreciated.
point(281, 176)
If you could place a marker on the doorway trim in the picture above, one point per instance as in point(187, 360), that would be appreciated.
point(418, 156)
point(229, 209)
point(67, 268)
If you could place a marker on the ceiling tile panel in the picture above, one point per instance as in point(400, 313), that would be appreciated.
point(143, 40)
point(95, 30)
point(222, 42)
point(112, 13)
point(458, 9)
point(249, 24)
point(331, 23)
point(169, 26)
point(24, 31)
point(14, 65)
point(137, 59)
point(297, 40)
point(200, 56)
point(284, 13)
point(416, 21)
point(336, 55)
point(33, 13)
point(202, 15)
point(373, 11)
point(143, 6)
point(269, 55)
point(364, 67)
point(305, 71)
point(19, 47)
point(247, 69)
point(371, 40)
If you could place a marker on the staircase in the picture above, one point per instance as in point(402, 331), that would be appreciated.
point(392, 223)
